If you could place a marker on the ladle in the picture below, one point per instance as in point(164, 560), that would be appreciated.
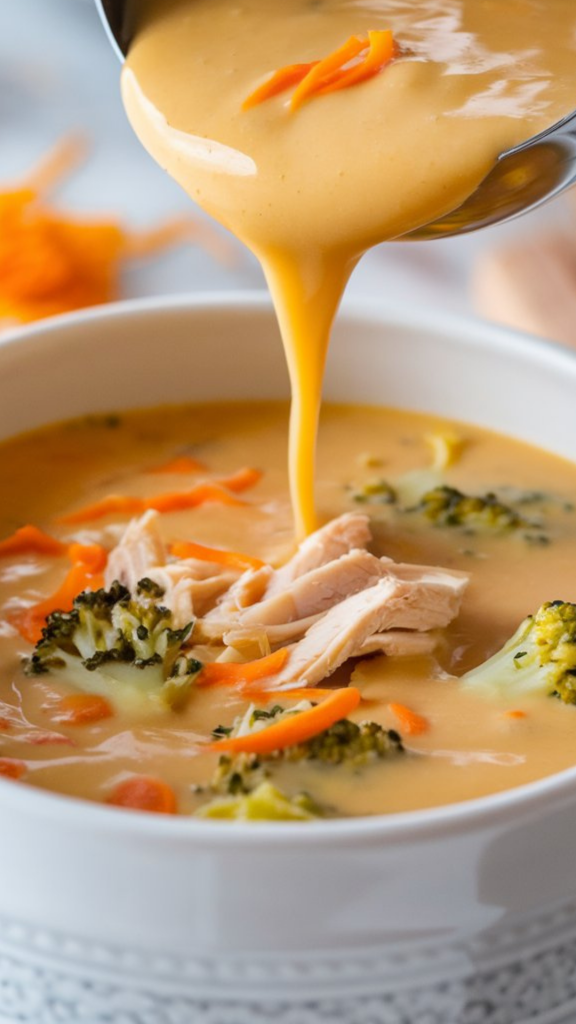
point(522, 178)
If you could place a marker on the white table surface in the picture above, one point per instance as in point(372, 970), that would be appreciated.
point(58, 73)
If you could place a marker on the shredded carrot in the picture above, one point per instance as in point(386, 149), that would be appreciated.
point(180, 501)
point(317, 76)
point(114, 504)
point(92, 556)
point(173, 501)
point(5, 725)
point(357, 60)
point(143, 793)
point(225, 673)
point(85, 574)
point(29, 540)
point(242, 480)
point(181, 464)
point(284, 78)
point(295, 728)
point(51, 262)
point(410, 721)
point(515, 714)
point(83, 709)
point(380, 53)
point(233, 559)
point(10, 768)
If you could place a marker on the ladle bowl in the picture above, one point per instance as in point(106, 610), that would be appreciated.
point(522, 179)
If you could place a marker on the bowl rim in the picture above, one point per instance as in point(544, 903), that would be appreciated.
point(428, 823)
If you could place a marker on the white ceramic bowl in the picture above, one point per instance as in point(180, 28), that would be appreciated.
point(460, 915)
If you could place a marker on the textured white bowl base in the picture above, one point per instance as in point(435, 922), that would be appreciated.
point(51, 978)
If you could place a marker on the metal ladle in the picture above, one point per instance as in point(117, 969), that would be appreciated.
point(522, 179)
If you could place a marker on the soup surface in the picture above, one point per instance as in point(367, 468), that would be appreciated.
point(310, 189)
point(471, 744)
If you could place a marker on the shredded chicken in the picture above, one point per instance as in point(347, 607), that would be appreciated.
point(191, 587)
point(188, 591)
point(339, 537)
point(139, 550)
point(317, 590)
point(278, 636)
point(336, 538)
point(431, 602)
point(332, 601)
point(245, 592)
point(400, 643)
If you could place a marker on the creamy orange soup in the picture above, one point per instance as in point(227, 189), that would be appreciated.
point(471, 747)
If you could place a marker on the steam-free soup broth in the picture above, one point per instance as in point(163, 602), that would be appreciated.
point(471, 745)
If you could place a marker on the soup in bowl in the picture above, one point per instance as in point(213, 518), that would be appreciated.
point(407, 826)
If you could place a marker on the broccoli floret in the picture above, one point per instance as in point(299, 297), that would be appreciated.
point(265, 803)
point(446, 506)
point(347, 743)
point(119, 644)
point(374, 492)
point(539, 658)
point(344, 743)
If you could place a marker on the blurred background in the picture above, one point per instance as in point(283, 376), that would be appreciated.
point(58, 75)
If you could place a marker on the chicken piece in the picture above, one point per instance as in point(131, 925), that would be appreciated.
point(191, 587)
point(188, 591)
point(243, 593)
point(277, 636)
point(317, 591)
point(429, 602)
point(400, 643)
point(138, 551)
point(336, 538)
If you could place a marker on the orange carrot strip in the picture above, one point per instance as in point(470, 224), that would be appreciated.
point(233, 559)
point(224, 673)
point(240, 481)
point(291, 74)
point(30, 540)
point(10, 768)
point(143, 793)
point(92, 556)
point(515, 714)
point(410, 722)
point(296, 728)
point(331, 73)
point(5, 725)
point(83, 575)
point(321, 71)
point(174, 501)
point(83, 709)
point(114, 504)
point(181, 464)
point(379, 55)
point(180, 501)
point(259, 696)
